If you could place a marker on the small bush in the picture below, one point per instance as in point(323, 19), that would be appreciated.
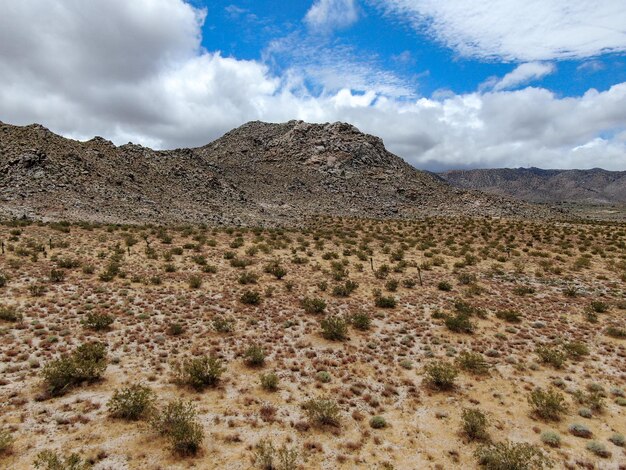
point(444, 286)
point(617, 439)
point(599, 449)
point(551, 438)
point(269, 382)
point(274, 268)
point(223, 325)
point(6, 441)
point(267, 457)
point(361, 321)
point(250, 297)
point(10, 314)
point(382, 301)
point(175, 329)
point(580, 430)
point(49, 460)
point(473, 362)
point(323, 376)
point(131, 403)
point(615, 332)
point(87, 363)
point(322, 411)
point(57, 275)
point(199, 372)
point(474, 424)
point(547, 404)
point(459, 323)
point(178, 423)
point(194, 281)
point(553, 356)
point(599, 306)
point(440, 375)
point(511, 456)
point(313, 305)
point(248, 278)
point(334, 328)
point(98, 321)
point(576, 350)
point(510, 316)
point(378, 422)
point(254, 356)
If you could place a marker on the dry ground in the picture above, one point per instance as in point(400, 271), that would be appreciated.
point(566, 281)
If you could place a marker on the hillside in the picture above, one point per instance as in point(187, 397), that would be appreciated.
point(259, 173)
point(595, 186)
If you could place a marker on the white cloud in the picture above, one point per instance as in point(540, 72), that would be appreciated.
point(519, 30)
point(135, 71)
point(326, 15)
point(521, 75)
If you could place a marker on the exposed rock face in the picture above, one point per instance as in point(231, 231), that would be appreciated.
point(257, 174)
point(594, 186)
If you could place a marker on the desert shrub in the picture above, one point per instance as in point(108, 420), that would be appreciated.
point(345, 289)
point(194, 281)
point(553, 356)
point(199, 372)
point(473, 362)
point(392, 285)
point(313, 305)
point(323, 376)
point(4, 279)
point(50, 460)
point(547, 404)
point(57, 275)
point(254, 356)
point(551, 438)
point(250, 297)
point(382, 301)
point(598, 306)
point(594, 399)
point(474, 424)
point(459, 323)
point(175, 329)
point(511, 456)
point(98, 321)
point(378, 422)
point(576, 350)
point(36, 290)
point(223, 325)
point(599, 449)
point(132, 402)
point(275, 269)
point(87, 363)
point(267, 457)
point(615, 332)
point(68, 263)
point(409, 283)
point(334, 328)
point(580, 430)
point(617, 439)
point(322, 411)
point(440, 375)
point(10, 314)
point(269, 382)
point(361, 321)
point(178, 422)
point(510, 316)
point(523, 290)
point(444, 286)
point(248, 278)
point(6, 440)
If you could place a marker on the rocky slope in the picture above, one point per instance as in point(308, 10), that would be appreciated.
point(594, 186)
point(257, 174)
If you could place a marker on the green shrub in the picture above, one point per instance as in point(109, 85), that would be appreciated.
point(199, 372)
point(444, 286)
point(617, 439)
point(10, 314)
point(250, 297)
point(194, 281)
point(547, 404)
point(175, 329)
point(580, 430)
point(57, 275)
point(510, 316)
point(599, 306)
point(223, 325)
point(4, 279)
point(274, 268)
point(378, 422)
point(6, 440)
point(269, 382)
point(440, 375)
point(98, 321)
point(132, 402)
point(511, 456)
point(267, 457)
point(361, 321)
point(178, 423)
point(49, 460)
point(474, 424)
point(599, 449)
point(323, 376)
point(576, 350)
point(551, 438)
point(615, 332)
point(322, 411)
point(459, 323)
point(87, 363)
point(248, 278)
point(473, 362)
point(254, 356)
point(313, 305)
point(334, 328)
point(553, 356)
point(382, 301)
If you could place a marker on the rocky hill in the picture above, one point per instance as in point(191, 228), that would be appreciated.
point(259, 173)
point(594, 186)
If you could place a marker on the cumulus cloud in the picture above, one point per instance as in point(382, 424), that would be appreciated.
point(326, 15)
point(521, 75)
point(136, 71)
point(519, 30)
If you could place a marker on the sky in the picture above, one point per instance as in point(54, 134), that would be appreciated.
point(447, 84)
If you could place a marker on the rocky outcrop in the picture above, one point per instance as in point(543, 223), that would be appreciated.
point(259, 173)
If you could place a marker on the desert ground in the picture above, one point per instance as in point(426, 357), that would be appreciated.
point(432, 344)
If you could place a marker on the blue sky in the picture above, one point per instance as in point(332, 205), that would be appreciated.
point(446, 84)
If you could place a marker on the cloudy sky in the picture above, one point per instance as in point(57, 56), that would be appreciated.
point(446, 84)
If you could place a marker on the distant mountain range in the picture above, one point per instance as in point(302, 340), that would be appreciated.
point(595, 186)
